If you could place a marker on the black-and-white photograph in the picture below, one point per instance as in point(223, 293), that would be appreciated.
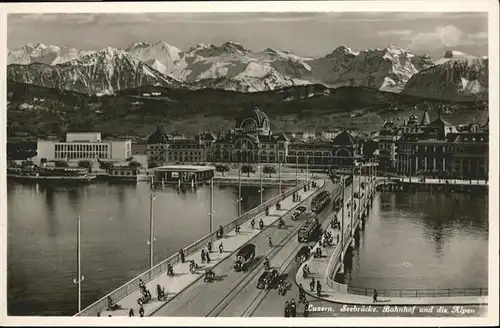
point(250, 164)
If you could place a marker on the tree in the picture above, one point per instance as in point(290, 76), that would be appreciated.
point(248, 168)
point(61, 164)
point(269, 169)
point(135, 164)
point(103, 165)
point(85, 164)
point(152, 165)
point(222, 168)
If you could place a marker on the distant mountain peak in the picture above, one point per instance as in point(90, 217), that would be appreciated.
point(342, 51)
point(455, 54)
point(234, 46)
point(137, 44)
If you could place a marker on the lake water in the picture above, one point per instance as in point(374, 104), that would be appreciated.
point(423, 240)
point(114, 234)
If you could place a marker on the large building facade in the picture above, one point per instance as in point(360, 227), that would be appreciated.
point(252, 141)
point(84, 146)
point(436, 148)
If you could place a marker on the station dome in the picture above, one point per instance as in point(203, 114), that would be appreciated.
point(157, 137)
point(344, 139)
point(253, 120)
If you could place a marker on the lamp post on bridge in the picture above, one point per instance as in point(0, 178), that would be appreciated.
point(279, 178)
point(239, 192)
point(151, 224)
point(78, 281)
point(211, 214)
point(307, 166)
point(261, 190)
point(359, 185)
point(352, 198)
point(342, 222)
point(297, 169)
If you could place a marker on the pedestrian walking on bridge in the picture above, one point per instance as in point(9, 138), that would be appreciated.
point(287, 310)
point(203, 256)
point(318, 288)
point(141, 311)
point(181, 254)
point(375, 296)
point(312, 284)
point(221, 248)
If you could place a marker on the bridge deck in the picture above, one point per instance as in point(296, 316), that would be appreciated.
point(183, 279)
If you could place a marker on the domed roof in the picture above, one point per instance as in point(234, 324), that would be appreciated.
point(157, 137)
point(258, 116)
point(344, 138)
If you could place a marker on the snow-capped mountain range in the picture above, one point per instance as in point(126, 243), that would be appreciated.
point(231, 66)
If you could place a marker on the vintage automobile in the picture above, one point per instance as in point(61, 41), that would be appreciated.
point(303, 254)
point(244, 256)
point(298, 212)
point(268, 279)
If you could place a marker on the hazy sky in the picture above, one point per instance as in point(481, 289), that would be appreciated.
point(306, 34)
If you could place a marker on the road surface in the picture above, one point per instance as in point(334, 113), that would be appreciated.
point(217, 298)
point(252, 302)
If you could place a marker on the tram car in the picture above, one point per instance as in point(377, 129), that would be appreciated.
point(244, 256)
point(310, 230)
point(320, 201)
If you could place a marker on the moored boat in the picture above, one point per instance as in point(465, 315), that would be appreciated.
point(50, 174)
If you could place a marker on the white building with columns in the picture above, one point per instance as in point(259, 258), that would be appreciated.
point(83, 146)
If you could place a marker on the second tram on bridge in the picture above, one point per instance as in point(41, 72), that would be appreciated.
point(320, 201)
point(310, 230)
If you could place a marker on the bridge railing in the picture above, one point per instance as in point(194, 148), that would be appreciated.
point(449, 292)
point(129, 287)
point(334, 262)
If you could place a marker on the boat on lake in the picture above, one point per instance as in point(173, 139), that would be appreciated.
point(50, 174)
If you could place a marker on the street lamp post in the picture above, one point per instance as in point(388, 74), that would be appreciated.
point(211, 214)
point(307, 165)
point(342, 221)
point(359, 186)
point(78, 281)
point(239, 191)
point(297, 169)
point(279, 178)
point(151, 224)
point(261, 190)
point(352, 200)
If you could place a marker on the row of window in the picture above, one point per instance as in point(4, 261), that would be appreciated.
point(81, 155)
point(77, 147)
point(310, 154)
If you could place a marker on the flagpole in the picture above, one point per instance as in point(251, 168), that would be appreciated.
point(211, 205)
point(151, 224)
point(297, 169)
point(239, 191)
point(279, 178)
point(79, 279)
